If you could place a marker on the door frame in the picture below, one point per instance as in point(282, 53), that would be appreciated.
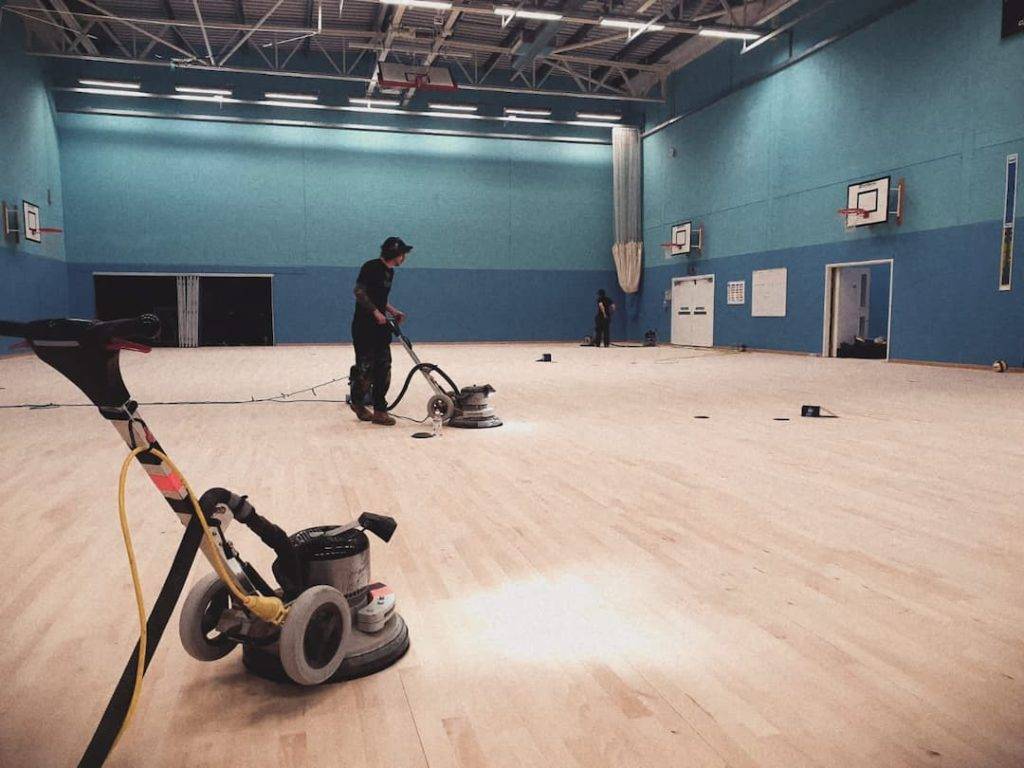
point(826, 325)
point(694, 279)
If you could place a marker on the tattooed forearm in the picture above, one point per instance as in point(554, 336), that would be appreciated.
point(363, 299)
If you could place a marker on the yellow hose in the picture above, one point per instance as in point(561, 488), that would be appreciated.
point(270, 609)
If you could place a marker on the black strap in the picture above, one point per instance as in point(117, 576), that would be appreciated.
point(117, 708)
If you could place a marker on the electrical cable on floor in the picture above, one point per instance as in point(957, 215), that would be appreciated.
point(706, 353)
point(284, 397)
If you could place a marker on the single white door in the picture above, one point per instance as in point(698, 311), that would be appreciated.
point(851, 303)
point(682, 310)
point(703, 318)
point(693, 311)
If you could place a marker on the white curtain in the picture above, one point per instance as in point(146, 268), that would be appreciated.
point(188, 310)
point(628, 250)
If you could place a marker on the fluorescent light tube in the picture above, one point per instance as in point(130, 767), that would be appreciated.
point(110, 84)
point(202, 91)
point(454, 107)
point(439, 5)
point(729, 34)
point(597, 116)
point(530, 112)
point(109, 92)
point(290, 96)
point(631, 24)
point(541, 15)
point(374, 102)
point(292, 104)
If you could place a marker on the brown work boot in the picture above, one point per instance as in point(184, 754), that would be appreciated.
point(383, 418)
point(361, 411)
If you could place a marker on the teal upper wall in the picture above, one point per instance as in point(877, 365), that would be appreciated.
point(149, 191)
point(29, 162)
point(766, 144)
point(929, 93)
point(33, 276)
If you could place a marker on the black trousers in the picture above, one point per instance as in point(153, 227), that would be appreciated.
point(370, 377)
point(602, 326)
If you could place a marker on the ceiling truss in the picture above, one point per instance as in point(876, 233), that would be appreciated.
point(571, 56)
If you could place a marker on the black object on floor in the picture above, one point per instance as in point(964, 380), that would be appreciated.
point(702, 417)
point(813, 411)
point(421, 435)
point(545, 358)
point(865, 349)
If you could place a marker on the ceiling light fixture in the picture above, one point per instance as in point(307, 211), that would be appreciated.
point(374, 102)
point(597, 116)
point(529, 112)
point(111, 84)
point(454, 107)
point(632, 24)
point(290, 96)
point(539, 15)
point(202, 91)
point(437, 5)
point(730, 34)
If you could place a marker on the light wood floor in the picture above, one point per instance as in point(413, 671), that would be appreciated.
point(605, 581)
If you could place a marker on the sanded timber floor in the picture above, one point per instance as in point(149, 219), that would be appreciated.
point(604, 581)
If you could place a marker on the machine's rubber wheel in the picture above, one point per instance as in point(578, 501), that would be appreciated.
point(441, 403)
point(197, 624)
point(314, 635)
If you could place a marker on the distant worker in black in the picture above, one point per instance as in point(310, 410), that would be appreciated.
point(603, 319)
point(371, 336)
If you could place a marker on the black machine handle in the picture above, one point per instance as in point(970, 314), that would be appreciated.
point(83, 332)
point(397, 332)
point(87, 352)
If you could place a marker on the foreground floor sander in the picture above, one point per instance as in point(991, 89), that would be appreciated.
point(327, 621)
point(466, 407)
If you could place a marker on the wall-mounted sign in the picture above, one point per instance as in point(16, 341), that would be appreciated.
point(1009, 212)
point(1013, 17)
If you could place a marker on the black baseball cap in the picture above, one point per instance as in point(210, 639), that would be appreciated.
point(394, 246)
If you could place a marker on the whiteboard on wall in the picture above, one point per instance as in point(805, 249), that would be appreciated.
point(768, 293)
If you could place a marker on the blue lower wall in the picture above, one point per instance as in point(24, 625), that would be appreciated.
point(315, 304)
point(945, 306)
point(31, 287)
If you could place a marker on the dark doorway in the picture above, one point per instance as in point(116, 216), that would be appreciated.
point(119, 296)
point(235, 311)
point(232, 310)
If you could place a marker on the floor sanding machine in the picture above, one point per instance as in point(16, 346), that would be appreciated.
point(326, 621)
point(465, 407)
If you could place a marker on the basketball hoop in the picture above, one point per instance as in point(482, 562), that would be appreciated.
point(850, 216)
point(668, 249)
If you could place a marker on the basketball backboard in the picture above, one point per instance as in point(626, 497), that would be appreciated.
point(391, 75)
point(30, 215)
point(870, 197)
point(681, 238)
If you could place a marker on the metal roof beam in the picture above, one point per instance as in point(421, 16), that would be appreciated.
point(193, 65)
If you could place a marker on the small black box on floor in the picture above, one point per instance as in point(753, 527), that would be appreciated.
point(544, 358)
point(813, 411)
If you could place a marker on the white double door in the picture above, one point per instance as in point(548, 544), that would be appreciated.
point(693, 311)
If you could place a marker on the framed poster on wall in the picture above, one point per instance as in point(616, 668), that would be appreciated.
point(768, 292)
point(1013, 17)
point(1009, 213)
